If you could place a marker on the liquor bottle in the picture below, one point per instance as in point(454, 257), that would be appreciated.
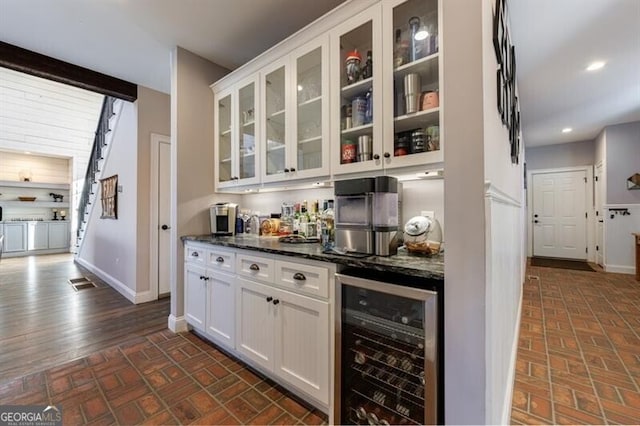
point(319, 220)
point(368, 112)
point(304, 219)
point(296, 218)
point(312, 227)
point(367, 71)
point(328, 236)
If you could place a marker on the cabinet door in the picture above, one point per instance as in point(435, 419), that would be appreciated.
point(58, 235)
point(302, 349)
point(15, 237)
point(246, 153)
point(275, 94)
point(224, 139)
point(309, 151)
point(38, 236)
point(357, 130)
point(254, 322)
point(195, 296)
point(412, 82)
point(221, 308)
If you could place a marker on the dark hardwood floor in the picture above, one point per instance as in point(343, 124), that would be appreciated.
point(45, 322)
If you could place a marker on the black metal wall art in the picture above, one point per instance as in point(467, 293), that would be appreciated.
point(507, 100)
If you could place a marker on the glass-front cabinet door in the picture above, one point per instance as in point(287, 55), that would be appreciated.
point(412, 83)
point(224, 137)
point(247, 137)
point(275, 92)
point(236, 152)
point(356, 71)
point(309, 154)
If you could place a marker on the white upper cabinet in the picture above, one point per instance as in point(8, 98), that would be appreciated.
point(296, 108)
point(412, 70)
point(356, 106)
point(357, 91)
point(237, 129)
point(399, 81)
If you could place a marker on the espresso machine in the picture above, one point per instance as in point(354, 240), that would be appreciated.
point(366, 215)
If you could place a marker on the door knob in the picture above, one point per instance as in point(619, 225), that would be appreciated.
point(165, 227)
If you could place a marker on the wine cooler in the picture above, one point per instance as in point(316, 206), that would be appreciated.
point(386, 353)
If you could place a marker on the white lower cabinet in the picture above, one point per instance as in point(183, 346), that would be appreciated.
point(286, 333)
point(15, 237)
point(38, 236)
point(195, 296)
point(273, 313)
point(221, 308)
point(58, 235)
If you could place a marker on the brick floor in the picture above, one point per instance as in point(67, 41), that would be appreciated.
point(578, 356)
point(163, 379)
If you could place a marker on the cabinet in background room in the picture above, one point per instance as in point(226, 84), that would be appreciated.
point(58, 235)
point(15, 237)
point(37, 235)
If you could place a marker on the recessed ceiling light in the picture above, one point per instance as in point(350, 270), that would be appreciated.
point(27, 152)
point(567, 130)
point(593, 66)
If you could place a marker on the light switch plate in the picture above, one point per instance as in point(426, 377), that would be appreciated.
point(428, 213)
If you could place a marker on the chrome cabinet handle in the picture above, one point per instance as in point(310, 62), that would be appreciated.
point(254, 267)
point(220, 259)
point(299, 276)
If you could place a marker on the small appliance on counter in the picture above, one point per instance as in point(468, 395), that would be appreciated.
point(223, 219)
point(423, 235)
point(366, 217)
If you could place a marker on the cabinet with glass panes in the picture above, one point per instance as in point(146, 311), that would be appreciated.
point(296, 106)
point(235, 138)
point(389, 113)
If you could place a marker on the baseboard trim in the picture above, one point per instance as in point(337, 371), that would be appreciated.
point(113, 282)
point(144, 297)
point(177, 324)
point(620, 269)
point(506, 409)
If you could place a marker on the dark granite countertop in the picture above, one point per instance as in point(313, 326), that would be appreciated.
point(402, 263)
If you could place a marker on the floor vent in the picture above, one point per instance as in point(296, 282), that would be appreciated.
point(82, 283)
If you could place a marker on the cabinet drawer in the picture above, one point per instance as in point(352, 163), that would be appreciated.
point(255, 267)
point(221, 260)
point(195, 255)
point(307, 279)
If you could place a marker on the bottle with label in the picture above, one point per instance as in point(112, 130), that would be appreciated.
point(304, 219)
point(328, 233)
point(367, 70)
point(368, 113)
point(296, 218)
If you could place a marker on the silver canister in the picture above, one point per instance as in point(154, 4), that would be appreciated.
point(412, 92)
point(365, 147)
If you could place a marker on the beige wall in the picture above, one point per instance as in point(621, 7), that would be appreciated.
point(154, 116)
point(464, 208)
point(192, 186)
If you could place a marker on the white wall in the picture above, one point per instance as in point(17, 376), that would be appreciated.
point(465, 373)
point(504, 223)
point(623, 160)
point(192, 157)
point(561, 155)
point(619, 243)
point(109, 246)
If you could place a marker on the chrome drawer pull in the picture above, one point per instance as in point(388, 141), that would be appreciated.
point(220, 259)
point(254, 267)
point(298, 276)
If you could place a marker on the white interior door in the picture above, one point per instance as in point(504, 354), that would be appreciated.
point(164, 216)
point(559, 215)
point(599, 180)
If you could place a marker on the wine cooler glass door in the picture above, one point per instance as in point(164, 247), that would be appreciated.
point(387, 353)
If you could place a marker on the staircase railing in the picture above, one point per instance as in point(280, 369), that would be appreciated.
point(99, 143)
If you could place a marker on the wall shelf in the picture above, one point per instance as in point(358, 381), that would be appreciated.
point(19, 184)
point(36, 204)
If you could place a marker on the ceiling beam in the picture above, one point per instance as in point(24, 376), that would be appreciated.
point(26, 61)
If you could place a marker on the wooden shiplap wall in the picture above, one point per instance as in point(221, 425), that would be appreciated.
point(46, 117)
point(43, 169)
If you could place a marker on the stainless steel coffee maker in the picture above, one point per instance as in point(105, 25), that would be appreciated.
point(366, 215)
point(222, 218)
